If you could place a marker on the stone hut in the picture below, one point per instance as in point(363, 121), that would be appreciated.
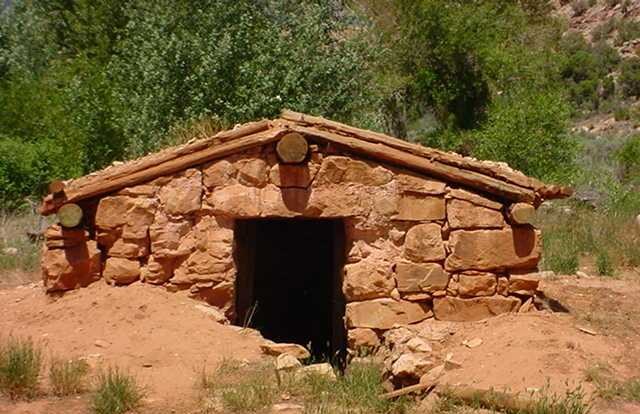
point(312, 231)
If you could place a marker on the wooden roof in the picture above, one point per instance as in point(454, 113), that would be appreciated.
point(494, 178)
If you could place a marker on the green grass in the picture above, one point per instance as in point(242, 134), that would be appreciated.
point(609, 388)
point(68, 377)
point(254, 388)
point(20, 363)
point(359, 388)
point(572, 402)
point(116, 392)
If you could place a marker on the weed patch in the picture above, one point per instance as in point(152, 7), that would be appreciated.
point(68, 377)
point(20, 363)
point(116, 392)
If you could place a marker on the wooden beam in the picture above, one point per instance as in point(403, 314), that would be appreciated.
point(56, 186)
point(109, 183)
point(484, 167)
point(521, 213)
point(427, 166)
point(422, 387)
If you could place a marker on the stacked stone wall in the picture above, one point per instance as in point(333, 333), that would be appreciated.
point(416, 247)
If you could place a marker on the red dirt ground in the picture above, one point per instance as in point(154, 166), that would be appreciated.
point(145, 325)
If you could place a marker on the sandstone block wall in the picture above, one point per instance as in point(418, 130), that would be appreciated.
point(416, 247)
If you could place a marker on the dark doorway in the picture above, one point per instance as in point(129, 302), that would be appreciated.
point(289, 283)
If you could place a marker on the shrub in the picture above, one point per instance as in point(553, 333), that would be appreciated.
point(579, 7)
point(20, 363)
point(534, 142)
point(116, 393)
point(622, 113)
point(628, 157)
point(627, 30)
point(630, 77)
point(68, 377)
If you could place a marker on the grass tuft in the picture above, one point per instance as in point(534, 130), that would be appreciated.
point(20, 363)
point(116, 393)
point(68, 377)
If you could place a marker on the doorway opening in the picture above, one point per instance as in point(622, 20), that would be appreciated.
point(289, 282)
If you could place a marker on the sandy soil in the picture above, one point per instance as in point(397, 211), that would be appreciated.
point(166, 341)
point(162, 338)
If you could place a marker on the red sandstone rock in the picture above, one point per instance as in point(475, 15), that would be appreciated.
point(413, 277)
point(423, 243)
point(474, 198)
point(362, 338)
point(503, 286)
point(236, 201)
point(525, 284)
point(418, 184)
point(182, 195)
point(70, 268)
point(417, 207)
point(218, 174)
point(384, 313)
point(367, 280)
point(222, 296)
point(493, 249)
point(252, 172)
point(129, 248)
point(336, 169)
point(464, 214)
point(112, 212)
point(476, 284)
point(121, 271)
point(140, 215)
point(157, 271)
point(57, 236)
point(460, 310)
point(293, 175)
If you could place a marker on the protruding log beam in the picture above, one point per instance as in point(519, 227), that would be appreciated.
point(56, 187)
point(522, 213)
point(292, 148)
point(69, 215)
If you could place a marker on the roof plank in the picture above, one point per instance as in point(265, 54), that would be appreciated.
point(108, 183)
point(484, 167)
point(424, 165)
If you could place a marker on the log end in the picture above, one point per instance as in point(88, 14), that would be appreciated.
point(69, 215)
point(292, 148)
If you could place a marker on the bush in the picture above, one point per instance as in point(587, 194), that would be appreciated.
point(628, 157)
point(629, 79)
point(579, 7)
point(533, 141)
point(627, 30)
point(20, 363)
point(68, 377)
point(116, 393)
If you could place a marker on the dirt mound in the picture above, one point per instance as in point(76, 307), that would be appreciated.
point(161, 337)
point(165, 340)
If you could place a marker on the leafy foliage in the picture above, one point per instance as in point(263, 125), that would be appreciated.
point(535, 142)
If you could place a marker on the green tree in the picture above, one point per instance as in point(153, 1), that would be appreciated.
point(238, 60)
point(535, 142)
